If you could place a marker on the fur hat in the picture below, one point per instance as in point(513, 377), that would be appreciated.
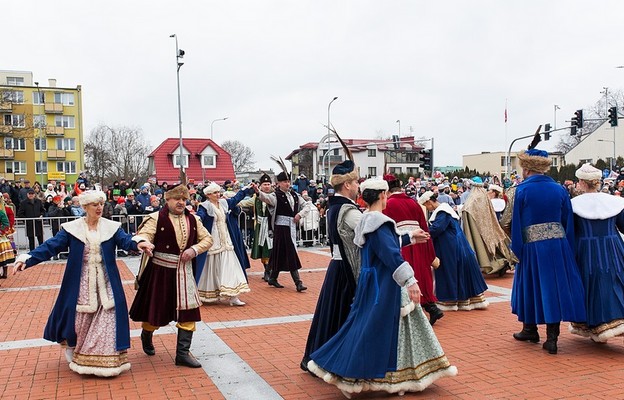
point(425, 197)
point(265, 178)
point(343, 172)
point(281, 177)
point(212, 188)
point(588, 173)
point(495, 188)
point(91, 196)
point(177, 192)
point(534, 160)
point(374, 184)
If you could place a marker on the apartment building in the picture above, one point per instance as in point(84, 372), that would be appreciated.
point(41, 131)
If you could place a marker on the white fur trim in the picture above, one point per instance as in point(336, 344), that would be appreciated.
point(408, 308)
point(212, 188)
point(425, 197)
point(374, 184)
point(91, 196)
point(443, 207)
point(588, 172)
point(597, 205)
point(600, 338)
point(99, 371)
point(78, 228)
point(23, 258)
point(403, 274)
point(370, 222)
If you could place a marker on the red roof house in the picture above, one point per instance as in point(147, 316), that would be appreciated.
point(203, 160)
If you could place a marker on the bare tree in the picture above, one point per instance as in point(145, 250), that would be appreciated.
point(242, 156)
point(115, 152)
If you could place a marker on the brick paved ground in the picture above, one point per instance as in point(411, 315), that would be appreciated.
point(267, 337)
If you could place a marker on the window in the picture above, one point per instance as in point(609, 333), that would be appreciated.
point(503, 158)
point(372, 152)
point(585, 161)
point(208, 160)
point(18, 144)
point(554, 162)
point(38, 97)
point(372, 171)
point(13, 96)
point(44, 144)
point(67, 99)
point(412, 171)
point(69, 167)
point(66, 144)
point(336, 152)
point(15, 120)
point(176, 161)
point(41, 167)
point(66, 121)
point(395, 170)
point(411, 157)
point(39, 121)
point(15, 167)
point(15, 80)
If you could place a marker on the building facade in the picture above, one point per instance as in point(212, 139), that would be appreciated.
point(493, 163)
point(371, 156)
point(602, 143)
point(41, 132)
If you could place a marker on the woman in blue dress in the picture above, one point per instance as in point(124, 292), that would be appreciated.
point(598, 222)
point(386, 343)
point(458, 280)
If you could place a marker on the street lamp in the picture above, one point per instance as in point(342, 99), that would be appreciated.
point(179, 64)
point(40, 141)
point(613, 158)
point(219, 119)
point(556, 108)
point(399, 122)
point(328, 136)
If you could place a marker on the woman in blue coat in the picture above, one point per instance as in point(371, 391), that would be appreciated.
point(598, 224)
point(386, 343)
point(90, 315)
point(458, 280)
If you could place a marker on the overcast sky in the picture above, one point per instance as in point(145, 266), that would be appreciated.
point(443, 68)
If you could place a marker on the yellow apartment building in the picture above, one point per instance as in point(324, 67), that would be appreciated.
point(41, 131)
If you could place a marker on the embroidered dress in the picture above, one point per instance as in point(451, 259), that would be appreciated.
point(222, 275)
point(377, 349)
point(598, 221)
point(95, 351)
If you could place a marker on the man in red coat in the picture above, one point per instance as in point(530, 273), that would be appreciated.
point(408, 215)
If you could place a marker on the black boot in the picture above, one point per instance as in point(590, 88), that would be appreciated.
point(146, 341)
point(297, 280)
point(3, 272)
point(528, 333)
point(552, 334)
point(434, 312)
point(267, 273)
point(183, 356)
point(273, 280)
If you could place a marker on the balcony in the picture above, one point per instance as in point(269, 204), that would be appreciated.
point(6, 129)
point(56, 154)
point(9, 176)
point(54, 108)
point(55, 130)
point(6, 106)
point(6, 154)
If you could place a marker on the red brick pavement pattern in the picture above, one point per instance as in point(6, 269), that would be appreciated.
point(492, 365)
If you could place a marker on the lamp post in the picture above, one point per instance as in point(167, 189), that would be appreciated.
point(329, 135)
point(399, 122)
point(179, 64)
point(219, 119)
point(40, 141)
point(556, 108)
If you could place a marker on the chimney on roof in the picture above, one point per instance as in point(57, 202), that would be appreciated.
point(52, 82)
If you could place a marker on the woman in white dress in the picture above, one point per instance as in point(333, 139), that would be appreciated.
point(222, 276)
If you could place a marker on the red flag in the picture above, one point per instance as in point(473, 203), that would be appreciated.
point(505, 114)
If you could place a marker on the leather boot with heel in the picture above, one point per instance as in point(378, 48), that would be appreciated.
point(298, 283)
point(146, 341)
point(183, 355)
point(552, 334)
point(528, 333)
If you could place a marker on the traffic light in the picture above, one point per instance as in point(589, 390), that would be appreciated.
point(573, 130)
point(425, 160)
point(613, 117)
point(547, 132)
point(577, 120)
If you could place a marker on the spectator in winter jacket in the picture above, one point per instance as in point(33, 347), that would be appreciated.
point(144, 196)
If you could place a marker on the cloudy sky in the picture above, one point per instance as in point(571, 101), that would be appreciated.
point(445, 69)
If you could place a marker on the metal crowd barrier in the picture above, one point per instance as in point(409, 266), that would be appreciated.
point(310, 233)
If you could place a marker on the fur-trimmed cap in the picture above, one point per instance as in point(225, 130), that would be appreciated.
point(212, 188)
point(374, 184)
point(534, 160)
point(91, 196)
point(588, 173)
point(178, 192)
point(426, 197)
point(343, 172)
